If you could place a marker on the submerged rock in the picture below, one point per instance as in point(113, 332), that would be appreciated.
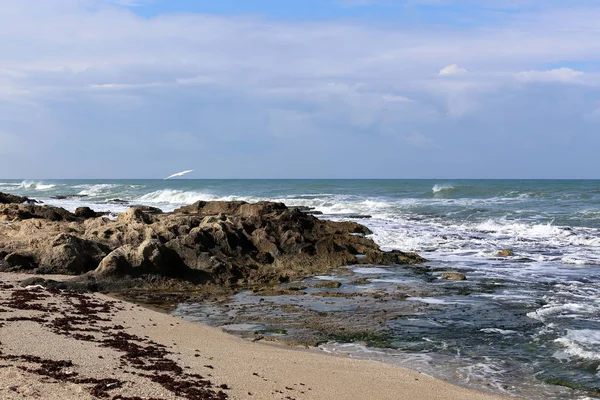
point(454, 276)
point(505, 253)
point(328, 285)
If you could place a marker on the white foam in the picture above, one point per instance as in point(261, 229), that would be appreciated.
point(429, 300)
point(584, 343)
point(326, 277)
point(568, 310)
point(96, 190)
point(33, 185)
point(437, 188)
point(367, 271)
point(395, 280)
point(170, 196)
point(497, 330)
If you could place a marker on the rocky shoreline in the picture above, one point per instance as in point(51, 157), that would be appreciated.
point(223, 244)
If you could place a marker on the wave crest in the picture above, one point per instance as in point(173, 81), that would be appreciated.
point(437, 188)
point(33, 185)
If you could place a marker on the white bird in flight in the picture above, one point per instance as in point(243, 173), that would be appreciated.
point(179, 174)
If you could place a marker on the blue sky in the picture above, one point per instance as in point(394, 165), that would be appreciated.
point(300, 88)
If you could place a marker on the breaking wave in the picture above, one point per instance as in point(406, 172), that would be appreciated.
point(444, 187)
point(33, 185)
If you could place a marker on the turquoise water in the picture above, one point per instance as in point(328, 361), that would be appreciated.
point(538, 319)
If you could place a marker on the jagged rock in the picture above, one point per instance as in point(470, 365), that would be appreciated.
point(220, 242)
point(69, 254)
point(19, 261)
point(149, 209)
point(18, 212)
point(151, 257)
point(505, 253)
point(6, 198)
point(454, 276)
point(85, 212)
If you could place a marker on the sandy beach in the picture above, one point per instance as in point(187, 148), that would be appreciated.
point(59, 345)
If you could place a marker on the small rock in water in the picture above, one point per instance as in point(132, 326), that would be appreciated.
point(361, 281)
point(328, 285)
point(311, 212)
point(505, 253)
point(454, 276)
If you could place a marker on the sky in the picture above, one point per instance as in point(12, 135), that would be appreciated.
point(300, 88)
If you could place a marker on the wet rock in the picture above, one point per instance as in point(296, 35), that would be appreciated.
point(328, 285)
point(6, 198)
point(454, 276)
point(117, 201)
point(69, 196)
point(19, 261)
point(360, 281)
point(149, 209)
point(85, 212)
point(505, 253)
point(313, 212)
point(278, 292)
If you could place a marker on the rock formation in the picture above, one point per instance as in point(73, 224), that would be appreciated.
point(218, 242)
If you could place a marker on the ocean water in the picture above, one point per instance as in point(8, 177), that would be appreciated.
point(533, 331)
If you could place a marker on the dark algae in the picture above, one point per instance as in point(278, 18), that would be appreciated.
point(81, 320)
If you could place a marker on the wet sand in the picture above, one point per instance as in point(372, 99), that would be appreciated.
point(61, 345)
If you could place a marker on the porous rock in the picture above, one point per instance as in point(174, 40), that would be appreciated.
point(220, 242)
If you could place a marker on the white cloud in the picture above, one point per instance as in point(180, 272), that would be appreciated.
point(71, 73)
point(392, 98)
point(131, 3)
point(418, 140)
point(553, 75)
point(452, 70)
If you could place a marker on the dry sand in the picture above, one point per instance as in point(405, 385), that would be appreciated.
point(112, 349)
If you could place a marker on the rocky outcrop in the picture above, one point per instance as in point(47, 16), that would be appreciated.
point(19, 212)
point(219, 242)
point(6, 198)
point(150, 257)
point(69, 254)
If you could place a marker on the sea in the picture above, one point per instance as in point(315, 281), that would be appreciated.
point(534, 332)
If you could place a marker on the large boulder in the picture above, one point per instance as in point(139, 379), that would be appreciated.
point(17, 261)
point(150, 257)
point(69, 254)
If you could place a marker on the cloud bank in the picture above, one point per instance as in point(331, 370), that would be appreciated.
point(92, 89)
